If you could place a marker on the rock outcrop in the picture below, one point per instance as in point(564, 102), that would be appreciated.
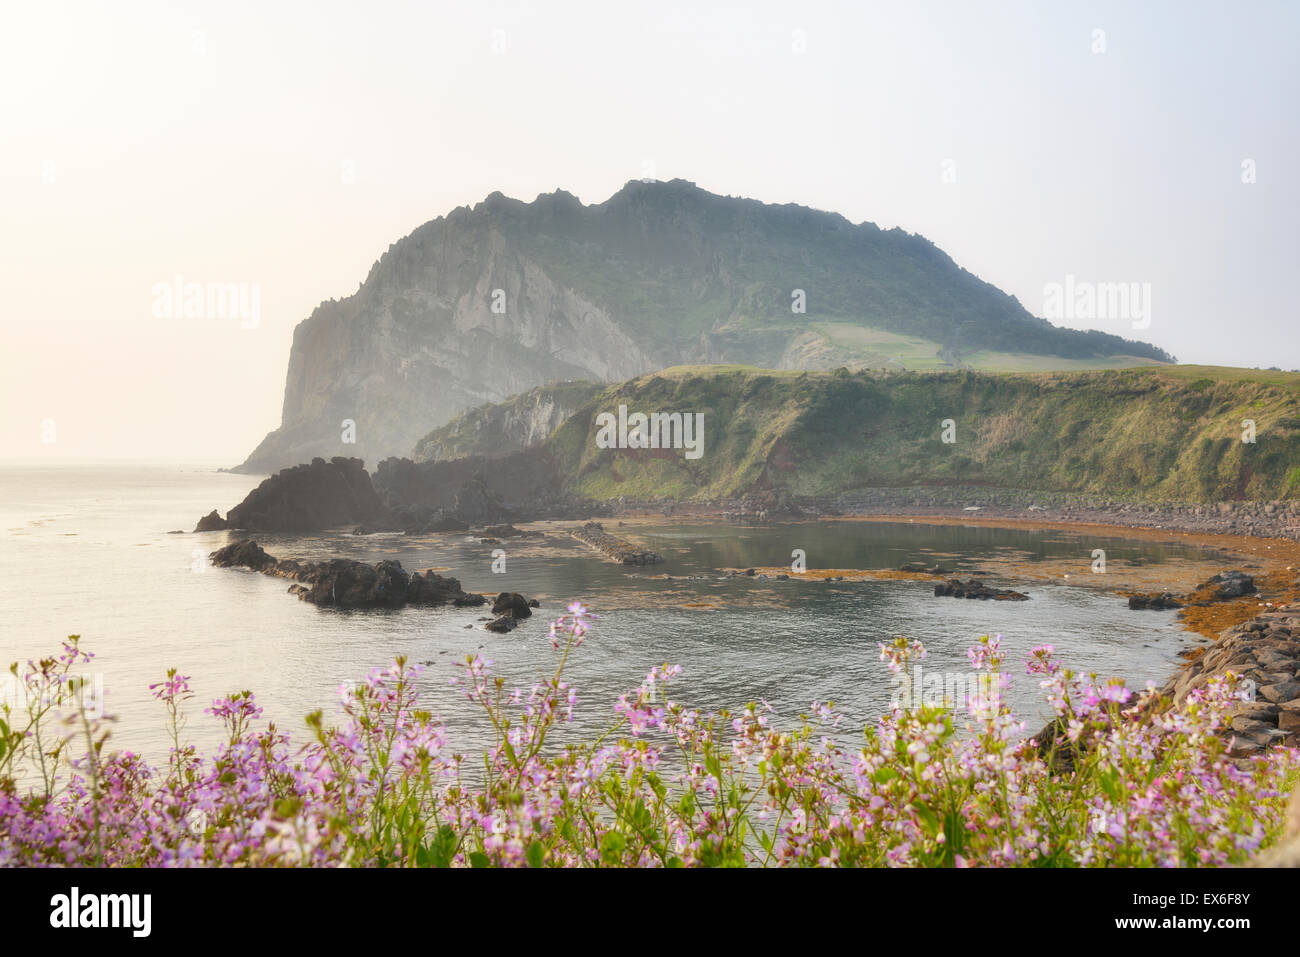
point(1222, 587)
point(1154, 602)
point(513, 604)
point(212, 522)
point(955, 588)
point(308, 498)
point(346, 583)
point(476, 490)
point(511, 608)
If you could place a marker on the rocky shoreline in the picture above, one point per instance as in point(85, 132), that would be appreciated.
point(1265, 652)
point(1278, 519)
point(419, 498)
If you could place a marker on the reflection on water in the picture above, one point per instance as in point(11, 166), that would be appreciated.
point(87, 551)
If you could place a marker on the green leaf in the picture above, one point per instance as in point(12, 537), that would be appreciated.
point(929, 820)
point(656, 785)
point(479, 859)
point(535, 854)
point(612, 846)
point(1109, 781)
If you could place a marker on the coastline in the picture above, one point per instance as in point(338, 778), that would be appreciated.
point(1273, 559)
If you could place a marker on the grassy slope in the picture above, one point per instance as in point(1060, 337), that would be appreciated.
point(1153, 433)
point(879, 348)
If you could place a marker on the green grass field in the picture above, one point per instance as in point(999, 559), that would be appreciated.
point(877, 348)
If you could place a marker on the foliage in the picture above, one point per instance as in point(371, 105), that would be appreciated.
point(664, 786)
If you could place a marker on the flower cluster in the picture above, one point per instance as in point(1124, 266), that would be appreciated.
point(1106, 784)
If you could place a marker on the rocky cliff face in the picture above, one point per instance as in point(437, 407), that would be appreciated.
point(419, 342)
point(489, 302)
point(501, 428)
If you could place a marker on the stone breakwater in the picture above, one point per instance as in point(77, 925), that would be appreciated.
point(1265, 652)
point(613, 547)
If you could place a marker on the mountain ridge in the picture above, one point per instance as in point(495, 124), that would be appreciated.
point(492, 300)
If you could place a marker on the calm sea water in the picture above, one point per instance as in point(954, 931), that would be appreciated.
point(86, 551)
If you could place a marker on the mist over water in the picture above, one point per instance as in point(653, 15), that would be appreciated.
point(87, 551)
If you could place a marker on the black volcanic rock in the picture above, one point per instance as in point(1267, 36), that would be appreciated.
point(212, 522)
point(477, 504)
point(1155, 602)
point(512, 604)
point(421, 519)
point(346, 583)
point(475, 490)
point(242, 554)
point(955, 588)
point(307, 498)
point(432, 589)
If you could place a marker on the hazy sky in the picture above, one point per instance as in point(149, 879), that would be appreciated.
point(286, 145)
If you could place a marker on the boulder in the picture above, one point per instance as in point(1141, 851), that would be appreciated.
point(1284, 690)
point(1225, 586)
point(242, 554)
point(511, 604)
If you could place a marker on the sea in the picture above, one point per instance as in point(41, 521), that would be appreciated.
point(105, 551)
